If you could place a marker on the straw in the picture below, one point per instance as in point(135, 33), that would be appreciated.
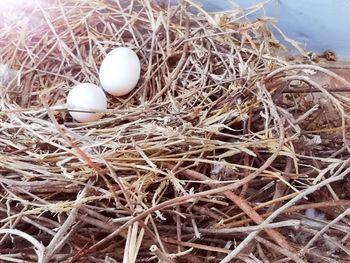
point(213, 157)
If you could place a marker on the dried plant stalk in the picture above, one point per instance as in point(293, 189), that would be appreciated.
point(214, 157)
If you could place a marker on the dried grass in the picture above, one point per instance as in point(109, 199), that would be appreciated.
point(213, 158)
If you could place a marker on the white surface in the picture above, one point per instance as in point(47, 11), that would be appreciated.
point(86, 97)
point(120, 71)
point(318, 24)
point(314, 214)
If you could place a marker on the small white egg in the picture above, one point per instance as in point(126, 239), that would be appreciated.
point(120, 71)
point(89, 98)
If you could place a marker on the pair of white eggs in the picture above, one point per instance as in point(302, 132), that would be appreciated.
point(118, 74)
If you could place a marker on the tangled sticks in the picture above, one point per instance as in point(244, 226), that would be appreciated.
point(214, 157)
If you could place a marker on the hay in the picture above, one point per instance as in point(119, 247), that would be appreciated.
point(214, 157)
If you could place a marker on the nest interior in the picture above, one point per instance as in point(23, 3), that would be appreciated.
point(226, 151)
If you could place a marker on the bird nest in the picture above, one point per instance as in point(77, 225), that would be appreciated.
point(226, 151)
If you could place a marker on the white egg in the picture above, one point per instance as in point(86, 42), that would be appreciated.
point(89, 98)
point(120, 71)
